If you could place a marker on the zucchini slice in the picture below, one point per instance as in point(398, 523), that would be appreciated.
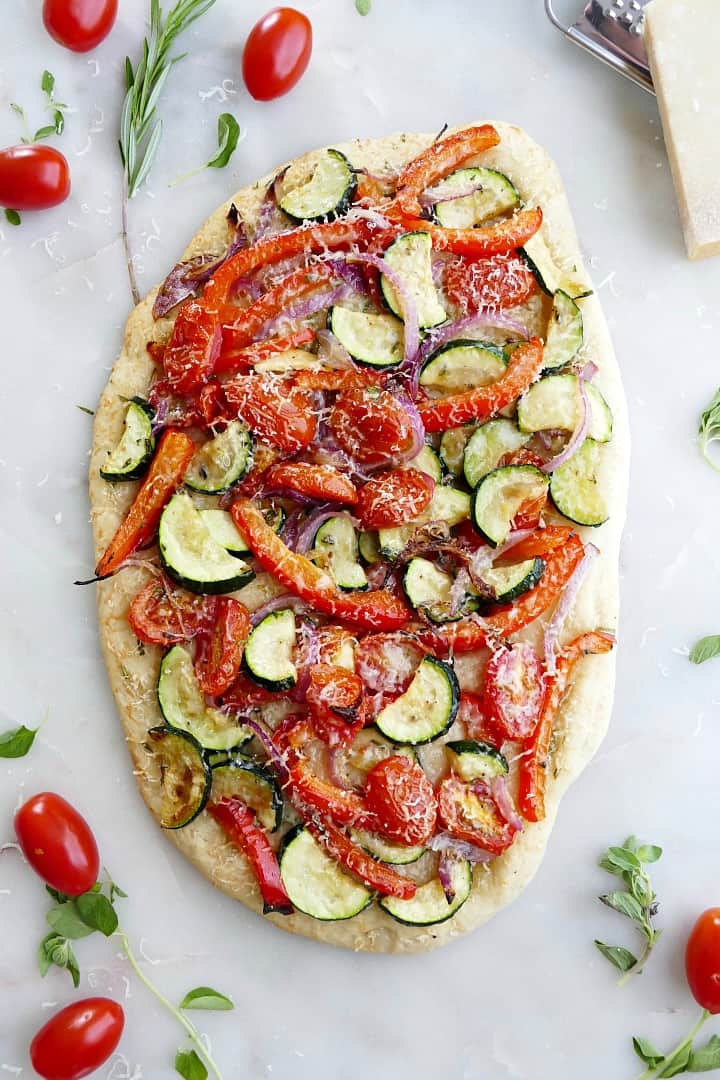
point(224, 531)
point(374, 340)
point(575, 490)
point(269, 650)
point(429, 905)
point(428, 462)
point(133, 453)
point(548, 276)
point(426, 710)
point(553, 404)
point(367, 749)
point(499, 496)
point(475, 760)
point(243, 778)
point(183, 706)
point(409, 256)
point(565, 332)
point(495, 195)
point(190, 555)
point(289, 360)
point(385, 850)
point(369, 546)
point(326, 194)
point(315, 883)
point(184, 776)
point(452, 448)
point(428, 589)
point(448, 504)
point(222, 461)
point(487, 445)
point(510, 582)
point(462, 365)
point(337, 540)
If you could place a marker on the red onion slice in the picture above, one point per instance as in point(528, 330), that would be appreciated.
point(461, 849)
point(504, 803)
point(286, 600)
point(485, 557)
point(418, 432)
point(319, 301)
point(277, 760)
point(315, 520)
point(433, 195)
point(445, 869)
point(580, 433)
point(332, 353)
point(553, 628)
point(310, 653)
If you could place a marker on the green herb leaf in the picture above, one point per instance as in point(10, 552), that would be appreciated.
point(228, 135)
point(67, 921)
point(649, 853)
point(44, 133)
point(706, 1057)
point(17, 109)
point(189, 1065)
point(84, 408)
point(56, 949)
point(12, 217)
point(58, 122)
point(625, 903)
point(677, 1062)
point(17, 743)
point(204, 997)
point(647, 1052)
point(709, 429)
point(48, 82)
point(621, 958)
point(705, 649)
point(363, 6)
point(623, 857)
point(58, 897)
point(97, 912)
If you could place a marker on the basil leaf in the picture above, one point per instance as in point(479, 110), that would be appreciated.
point(705, 649)
point(647, 1052)
point(15, 744)
point(189, 1065)
point(44, 133)
point(631, 844)
point(677, 1063)
point(48, 82)
point(707, 1057)
point(12, 217)
point(65, 920)
point(625, 903)
point(228, 135)
point(58, 122)
point(204, 997)
point(619, 957)
point(363, 7)
point(97, 912)
point(649, 853)
point(58, 897)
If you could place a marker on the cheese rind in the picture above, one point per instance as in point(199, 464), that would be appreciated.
point(682, 38)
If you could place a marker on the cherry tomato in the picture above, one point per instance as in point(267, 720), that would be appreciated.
point(394, 498)
point(702, 960)
point(79, 25)
point(276, 53)
point(274, 410)
point(514, 690)
point(477, 725)
point(371, 426)
point(219, 650)
point(469, 812)
point(58, 843)
point(164, 614)
point(400, 795)
point(501, 281)
point(189, 359)
point(335, 700)
point(387, 662)
point(336, 645)
point(78, 1039)
point(321, 482)
point(33, 177)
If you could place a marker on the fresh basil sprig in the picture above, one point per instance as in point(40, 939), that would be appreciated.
point(17, 743)
point(709, 429)
point(228, 135)
point(705, 649)
point(637, 902)
point(189, 1065)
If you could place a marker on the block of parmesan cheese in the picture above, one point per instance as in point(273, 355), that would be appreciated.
point(683, 42)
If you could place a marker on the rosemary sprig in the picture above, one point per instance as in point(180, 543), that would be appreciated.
point(140, 125)
point(637, 902)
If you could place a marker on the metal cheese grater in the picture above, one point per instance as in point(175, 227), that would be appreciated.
point(612, 30)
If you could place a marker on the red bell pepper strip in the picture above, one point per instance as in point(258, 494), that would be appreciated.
point(238, 821)
point(335, 381)
point(273, 249)
point(541, 543)
point(322, 482)
point(376, 875)
point(168, 467)
point(164, 614)
point(484, 401)
point(378, 610)
point(219, 650)
point(440, 158)
point(241, 326)
point(470, 634)
point(190, 355)
point(243, 359)
point(485, 240)
point(535, 758)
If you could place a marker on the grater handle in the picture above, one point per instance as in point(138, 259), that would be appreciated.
point(632, 71)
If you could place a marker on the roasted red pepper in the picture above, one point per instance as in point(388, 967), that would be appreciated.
point(379, 610)
point(165, 475)
point(243, 359)
point(241, 326)
point(219, 650)
point(190, 355)
point(377, 875)
point(440, 158)
point(541, 543)
point(485, 240)
point(485, 401)
point(238, 821)
point(535, 758)
point(320, 482)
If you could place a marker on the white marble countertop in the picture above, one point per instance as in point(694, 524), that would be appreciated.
point(527, 996)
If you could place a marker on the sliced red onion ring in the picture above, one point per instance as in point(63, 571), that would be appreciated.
point(418, 432)
point(285, 600)
point(504, 803)
point(485, 557)
point(553, 628)
point(277, 760)
point(319, 301)
point(434, 195)
point(404, 297)
point(461, 849)
point(185, 277)
point(310, 652)
point(315, 520)
point(445, 869)
point(580, 433)
point(333, 353)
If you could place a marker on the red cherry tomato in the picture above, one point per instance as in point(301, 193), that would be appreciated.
point(164, 614)
point(79, 25)
point(335, 701)
point(470, 812)
point(498, 282)
point(702, 960)
point(514, 690)
point(58, 843)
point(386, 663)
point(33, 177)
point(77, 1040)
point(276, 53)
point(371, 426)
point(394, 498)
point(399, 793)
point(274, 410)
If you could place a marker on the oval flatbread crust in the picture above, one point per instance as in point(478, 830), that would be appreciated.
point(584, 715)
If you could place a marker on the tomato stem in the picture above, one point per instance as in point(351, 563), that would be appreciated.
point(190, 1028)
point(126, 243)
point(658, 1070)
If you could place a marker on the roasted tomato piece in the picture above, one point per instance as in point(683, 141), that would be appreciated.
point(394, 498)
point(164, 614)
point(274, 410)
point(402, 798)
point(514, 690)
point(219, 650)
point(386, 663)
point(469, 812)
point(499, 282)
point(335, 700)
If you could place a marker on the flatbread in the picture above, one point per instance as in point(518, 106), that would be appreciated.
point(584, 715)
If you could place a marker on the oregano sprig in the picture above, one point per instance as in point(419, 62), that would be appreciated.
point(55, 108)
point(637, 901)
point(683, 1058)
